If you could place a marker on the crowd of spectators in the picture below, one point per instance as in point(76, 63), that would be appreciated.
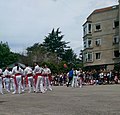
point(93, 77)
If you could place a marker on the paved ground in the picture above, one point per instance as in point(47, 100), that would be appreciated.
point(89, 100)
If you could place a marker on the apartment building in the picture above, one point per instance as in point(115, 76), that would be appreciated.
point(101, 38)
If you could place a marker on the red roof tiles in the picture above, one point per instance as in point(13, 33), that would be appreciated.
point(105, 9)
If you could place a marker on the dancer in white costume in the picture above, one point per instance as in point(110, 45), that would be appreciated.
point(1, 86)
point(17, 72)
point(46, 73)
point(29, 78)
point(39, 78)
point(75, 79)
point(7, 76)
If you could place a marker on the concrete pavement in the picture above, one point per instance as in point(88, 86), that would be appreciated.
point(89, 100)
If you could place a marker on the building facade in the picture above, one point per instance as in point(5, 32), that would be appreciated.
point(101, 38)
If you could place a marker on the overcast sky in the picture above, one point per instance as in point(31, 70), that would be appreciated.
point(25, 22)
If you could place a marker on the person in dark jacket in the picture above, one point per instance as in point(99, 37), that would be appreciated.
point(70, 76)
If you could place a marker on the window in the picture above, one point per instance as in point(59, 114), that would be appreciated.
point(84, 44)
point(98, 55)
point(88, 57)
point(115, 39)
point(97, 27)
point(88, 43)
point(98, 42)
point(85, 30)
point(116, 24)
point(116, 53)
point(89, 28)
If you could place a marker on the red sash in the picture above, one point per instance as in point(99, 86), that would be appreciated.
point(45, 75)
point(50, 77)
point(36, 77)
point(28, 75)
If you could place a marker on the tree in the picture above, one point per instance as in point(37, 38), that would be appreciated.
point(53, 43)
point(54, 52)
point(69, 55)
point(6, 56)
point(38, 53)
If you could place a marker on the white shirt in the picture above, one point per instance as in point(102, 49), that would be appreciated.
point(46, 71)
point(38, 69)
point(15, 71)
point(27, 71)
point(6, 72)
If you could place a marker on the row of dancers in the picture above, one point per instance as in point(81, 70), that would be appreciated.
point(37, 80)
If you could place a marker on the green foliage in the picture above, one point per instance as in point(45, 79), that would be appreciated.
point(69, 56)
point(52, 66)
point(38, 53)
point(53, 43)
point(53, 52)
point(6, 56)
point(56, 68)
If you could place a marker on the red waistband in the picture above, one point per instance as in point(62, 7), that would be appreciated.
point(29, 75)
point(17, 74)
point(38, 74)
point(45, 74)
point(8, 76)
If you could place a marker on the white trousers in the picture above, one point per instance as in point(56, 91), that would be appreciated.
point(23, 84)
point(1, 86)
point(12, 84)
point(47, 84)
point(74, 81)
point(31, 84)
point(18, 83)
point(39, 84)
point(7, 84)
point(4, 84)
